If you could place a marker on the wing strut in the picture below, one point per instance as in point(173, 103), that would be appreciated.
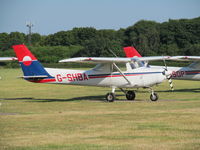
point(121, 73)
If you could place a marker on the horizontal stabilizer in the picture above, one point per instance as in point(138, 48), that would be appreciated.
point(34, 77)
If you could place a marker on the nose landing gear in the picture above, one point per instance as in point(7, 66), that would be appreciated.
point(153, 96)
point(130, 95)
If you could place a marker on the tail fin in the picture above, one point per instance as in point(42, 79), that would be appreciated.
point(131, 52)
point(30, 65)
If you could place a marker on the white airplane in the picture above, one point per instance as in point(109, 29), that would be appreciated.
point(3, 59)
point(191, 72)
point(105, 74)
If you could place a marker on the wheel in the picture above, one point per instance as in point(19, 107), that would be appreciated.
point(130, 95)
point(110, 97)
point(154, 96)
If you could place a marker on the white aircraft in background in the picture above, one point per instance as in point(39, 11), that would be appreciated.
point(105, 74)
point(191, 72)
point(3, 59)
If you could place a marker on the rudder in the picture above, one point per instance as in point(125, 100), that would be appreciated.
point(28, 62)
point(131, 52)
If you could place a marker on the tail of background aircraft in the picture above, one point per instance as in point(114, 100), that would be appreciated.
point(31, 67)
point(131, 52)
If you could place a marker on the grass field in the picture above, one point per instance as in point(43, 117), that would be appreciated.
point(41, 117)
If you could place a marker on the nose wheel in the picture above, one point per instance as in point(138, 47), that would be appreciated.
point(153, 96)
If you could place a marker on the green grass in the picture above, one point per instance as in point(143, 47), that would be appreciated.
point(41, 116)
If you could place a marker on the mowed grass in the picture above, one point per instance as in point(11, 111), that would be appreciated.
point(43, 116)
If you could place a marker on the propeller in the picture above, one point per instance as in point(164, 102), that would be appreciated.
point(167, 73)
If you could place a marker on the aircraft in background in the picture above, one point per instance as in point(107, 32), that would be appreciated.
point(3, 59)
point(191, 72)
point(106, 73)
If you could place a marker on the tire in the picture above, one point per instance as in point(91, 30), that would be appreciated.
point(110, 97)
point(154, 97)
point(130, 95)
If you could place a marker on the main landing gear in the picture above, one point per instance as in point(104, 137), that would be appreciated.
point(130, 95)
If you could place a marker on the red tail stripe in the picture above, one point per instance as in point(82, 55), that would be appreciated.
point(43, 80)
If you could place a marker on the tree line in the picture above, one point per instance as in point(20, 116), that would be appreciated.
point(174, 37)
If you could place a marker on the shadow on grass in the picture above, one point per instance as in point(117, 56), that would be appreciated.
point(32, 99)
point(100, 98)
point(86, 98)
point(90, 98)
point(194, 90)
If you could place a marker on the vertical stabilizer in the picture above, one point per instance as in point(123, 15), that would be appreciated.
point(28, 62)
point(131, 52)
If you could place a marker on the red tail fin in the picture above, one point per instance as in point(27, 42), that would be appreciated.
point(23, 54)
point(131, 52)
point(30, 65)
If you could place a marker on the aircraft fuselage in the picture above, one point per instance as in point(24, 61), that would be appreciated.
point(140, 77)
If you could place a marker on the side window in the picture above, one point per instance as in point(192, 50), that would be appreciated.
point(104, 67)
point(121, 66)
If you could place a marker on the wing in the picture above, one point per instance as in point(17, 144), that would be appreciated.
point(151, 58)
point(7, 58)
point(113, 59)
point(96, 59)
point(185, 58)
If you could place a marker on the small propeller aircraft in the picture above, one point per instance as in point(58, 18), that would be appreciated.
point(191, 72)
point(3, 59)
point(106, 73)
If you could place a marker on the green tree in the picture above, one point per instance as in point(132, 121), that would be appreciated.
point(192, 50)
point(16, 38)
point(4, 37)
point(82, 35)
point(36, 39)
point(100, 47)
point(144, 35)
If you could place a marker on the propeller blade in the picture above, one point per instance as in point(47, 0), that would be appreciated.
point(168, 76)
point(165, 64)
point(170, 82)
